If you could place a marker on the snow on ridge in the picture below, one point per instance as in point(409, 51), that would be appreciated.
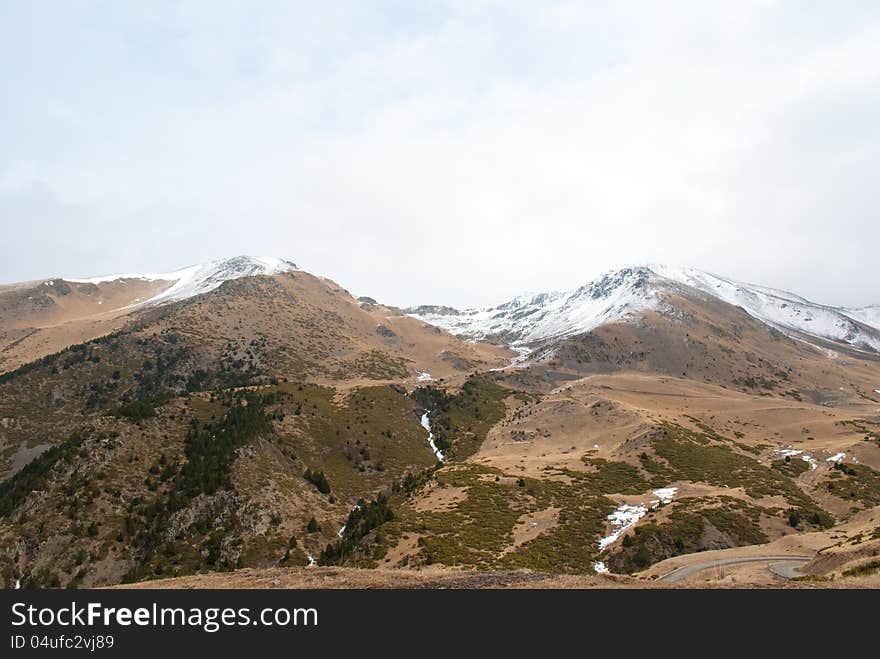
point(867, 315)
point(617, 296)
point(622, 295)
point(201, 278)
point(783, 310)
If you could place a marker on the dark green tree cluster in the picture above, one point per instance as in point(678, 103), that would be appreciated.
point(413, 481)
point(210, 450)
point(33, 475)
point(139, 409)
point(361, 521)
point(318, 479)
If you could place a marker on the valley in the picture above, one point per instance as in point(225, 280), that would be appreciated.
point(235, 423)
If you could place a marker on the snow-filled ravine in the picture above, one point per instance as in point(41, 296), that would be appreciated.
point(426, 424)
point(626, 516)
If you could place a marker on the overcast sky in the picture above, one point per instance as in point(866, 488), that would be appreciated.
point(454, 152)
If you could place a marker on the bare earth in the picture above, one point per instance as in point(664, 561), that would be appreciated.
point(341, 578)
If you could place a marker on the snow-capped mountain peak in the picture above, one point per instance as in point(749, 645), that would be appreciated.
point(624, 295)
point(616, 296)
point(201, 278)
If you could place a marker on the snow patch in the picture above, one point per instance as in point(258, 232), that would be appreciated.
point(600, 568)
point(837, 457)
point(622, 519)
point(792, 452)
point(423, 376)
point(665, 494)
point(626, 516)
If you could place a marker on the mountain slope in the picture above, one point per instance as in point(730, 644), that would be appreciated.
point(786, 311)
point(235, 427)
point(249, 330)
point(43, 317)
point(867, 315)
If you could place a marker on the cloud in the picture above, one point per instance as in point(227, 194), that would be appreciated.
point(454, 152)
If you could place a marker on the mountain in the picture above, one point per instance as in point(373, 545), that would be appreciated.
point(624, 295)
point(42, 317)
point(206, 420)
point(786, 311)
point(198, 279)
point(248, 414)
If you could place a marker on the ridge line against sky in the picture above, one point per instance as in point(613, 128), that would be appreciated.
point(453, 152)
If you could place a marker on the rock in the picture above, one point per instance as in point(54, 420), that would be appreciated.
point(381, 330)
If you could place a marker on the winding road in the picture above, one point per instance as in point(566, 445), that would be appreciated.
point(783, 566)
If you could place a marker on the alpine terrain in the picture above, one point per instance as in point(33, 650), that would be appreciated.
point(246, 423)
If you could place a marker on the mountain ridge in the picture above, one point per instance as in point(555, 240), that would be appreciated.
point(278, 421)
point(625, 294)
point(199, 278)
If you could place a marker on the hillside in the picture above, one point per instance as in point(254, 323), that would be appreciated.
point(246, 414)
point(113, 468)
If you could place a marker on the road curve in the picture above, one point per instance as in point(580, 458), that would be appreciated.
point(787, 570)
point(782, 566)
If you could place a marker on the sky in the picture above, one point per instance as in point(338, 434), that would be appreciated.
point(454, 152)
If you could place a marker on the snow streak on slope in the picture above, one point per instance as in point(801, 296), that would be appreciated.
point(616, 296)
point(198, 279)
point(785, 311)
point(867, 315)
point(624, 294)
